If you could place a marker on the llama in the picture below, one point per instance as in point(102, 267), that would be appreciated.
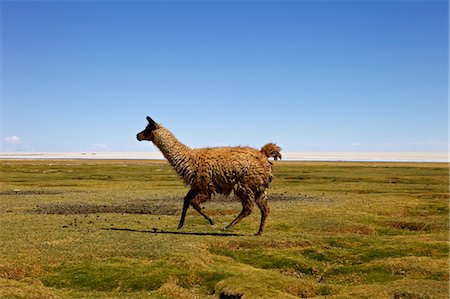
point(220, 170)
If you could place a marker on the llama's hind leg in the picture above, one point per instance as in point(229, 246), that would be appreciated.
point(195, 203)
point(187, 201)
point(261, 201)
point(247, 207)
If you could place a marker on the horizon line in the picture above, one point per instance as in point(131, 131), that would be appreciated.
point(440, 157)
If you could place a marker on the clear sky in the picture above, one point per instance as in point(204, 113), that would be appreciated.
point(308, 75)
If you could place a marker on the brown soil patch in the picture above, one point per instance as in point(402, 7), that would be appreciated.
point(135, 207)
point(411, 226)
point(11, 272)
point(30, 192)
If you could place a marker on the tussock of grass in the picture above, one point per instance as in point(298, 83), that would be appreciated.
point(110, 275)
point(255, 282)
point(26, 288)
point(267, 259)
point(107, 229)
point(401, 289)
point(173, 290)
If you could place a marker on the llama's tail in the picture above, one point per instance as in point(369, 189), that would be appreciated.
point(271, 150)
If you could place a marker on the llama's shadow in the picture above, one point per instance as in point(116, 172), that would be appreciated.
point(160, 231)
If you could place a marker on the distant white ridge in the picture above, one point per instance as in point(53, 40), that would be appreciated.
point(368, 156)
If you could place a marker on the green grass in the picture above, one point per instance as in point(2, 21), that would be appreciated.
point(107, 229)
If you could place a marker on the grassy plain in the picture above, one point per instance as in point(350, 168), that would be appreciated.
point(107, 229)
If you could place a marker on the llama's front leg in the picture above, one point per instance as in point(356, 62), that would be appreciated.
point(187, 201)
point(195, 203)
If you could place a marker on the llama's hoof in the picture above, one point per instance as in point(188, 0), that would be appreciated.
point(211, 221)
point(180, 226)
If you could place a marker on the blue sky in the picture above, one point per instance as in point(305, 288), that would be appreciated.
point(311, 76)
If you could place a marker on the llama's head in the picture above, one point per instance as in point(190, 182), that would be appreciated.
point(147, 134)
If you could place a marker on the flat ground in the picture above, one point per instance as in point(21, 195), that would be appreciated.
point(337, 230)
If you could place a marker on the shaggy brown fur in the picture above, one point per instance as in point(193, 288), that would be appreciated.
point(244, 170)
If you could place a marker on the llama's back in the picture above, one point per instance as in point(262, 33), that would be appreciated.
point(223, 169)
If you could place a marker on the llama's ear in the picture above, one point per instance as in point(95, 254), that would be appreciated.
point(150, 120)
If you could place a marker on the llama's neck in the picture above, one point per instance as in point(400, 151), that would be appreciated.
point(178, 154)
